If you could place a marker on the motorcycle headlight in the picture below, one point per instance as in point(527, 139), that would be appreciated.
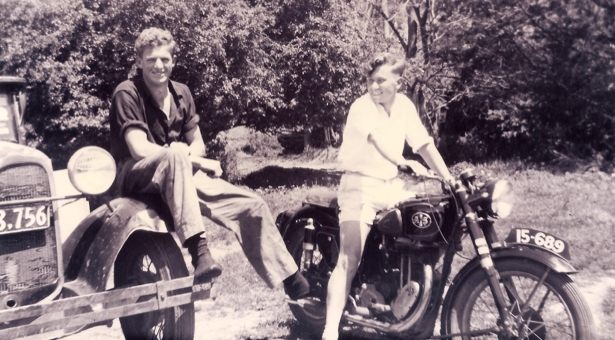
point(502, 198)
point(91, 170)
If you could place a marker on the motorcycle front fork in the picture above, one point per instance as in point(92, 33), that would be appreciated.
point(482, 248)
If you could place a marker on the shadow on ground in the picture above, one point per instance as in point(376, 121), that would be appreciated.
point(298, 331)
point(276, 176)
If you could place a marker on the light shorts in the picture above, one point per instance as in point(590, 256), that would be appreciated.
point(361, 197)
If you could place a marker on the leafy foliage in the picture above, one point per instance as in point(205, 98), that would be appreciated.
point(536, 76)
point(492, 79)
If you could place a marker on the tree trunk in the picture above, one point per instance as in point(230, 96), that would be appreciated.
point(307, 139)
point(385, 11)
point(328, 136)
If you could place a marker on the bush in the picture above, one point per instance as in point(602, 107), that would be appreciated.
point(217, 149)
point(261, 144)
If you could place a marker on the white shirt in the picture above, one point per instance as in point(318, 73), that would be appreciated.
point(358, 154)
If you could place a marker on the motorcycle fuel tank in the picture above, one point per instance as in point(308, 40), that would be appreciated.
point(422, 220)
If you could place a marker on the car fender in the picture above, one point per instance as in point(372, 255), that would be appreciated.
point(91, 249)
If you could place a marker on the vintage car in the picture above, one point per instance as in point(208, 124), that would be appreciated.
point(118, 261)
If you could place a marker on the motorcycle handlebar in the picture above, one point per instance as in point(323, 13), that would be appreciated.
point(408, 170)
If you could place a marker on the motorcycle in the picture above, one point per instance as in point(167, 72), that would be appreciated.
point(517, 288)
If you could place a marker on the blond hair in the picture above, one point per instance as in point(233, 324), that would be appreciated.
point(152, 37)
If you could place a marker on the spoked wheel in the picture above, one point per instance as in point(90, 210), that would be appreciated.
point(147, 258)
point(552, 308)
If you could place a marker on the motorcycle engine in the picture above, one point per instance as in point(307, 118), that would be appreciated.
point(370, 296)
point(405, 299)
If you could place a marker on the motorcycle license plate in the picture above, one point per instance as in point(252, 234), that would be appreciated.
point(539, 239)
point(23, 218)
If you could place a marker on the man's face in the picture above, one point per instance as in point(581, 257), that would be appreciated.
point(157, 64)
point(382, 84)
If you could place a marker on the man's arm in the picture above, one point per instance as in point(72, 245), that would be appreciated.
point(138, 145)
point(430, 154)
point(434, 160)
point(375, 138)
point(196, 150)
point(194, 139)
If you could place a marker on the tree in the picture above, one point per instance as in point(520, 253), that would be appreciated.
point(491, 79)
point(534, 73)
point(317, 60)
point(74, 53)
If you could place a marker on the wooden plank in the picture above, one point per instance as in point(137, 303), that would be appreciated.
point(76, 302)
point(77, 320)
point(51, 327)
point(112, 298)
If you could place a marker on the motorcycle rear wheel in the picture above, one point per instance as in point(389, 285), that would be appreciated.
point(147, 258)
point(557, 309)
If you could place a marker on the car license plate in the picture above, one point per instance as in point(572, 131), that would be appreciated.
point(17, 219)
point(539, 239)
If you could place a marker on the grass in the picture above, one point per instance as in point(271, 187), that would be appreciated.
point(577, 207)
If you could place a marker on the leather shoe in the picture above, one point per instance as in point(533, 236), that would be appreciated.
point(296, 286)
point(205, 267)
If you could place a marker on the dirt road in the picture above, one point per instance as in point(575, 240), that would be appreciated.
point(215, 323)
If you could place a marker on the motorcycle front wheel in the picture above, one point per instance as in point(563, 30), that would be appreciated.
point(555, 310)
point(147, 258)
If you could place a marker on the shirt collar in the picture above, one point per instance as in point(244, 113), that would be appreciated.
point(176, 96)
point(380, 109)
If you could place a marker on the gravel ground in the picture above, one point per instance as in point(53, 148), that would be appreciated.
point(214, 323)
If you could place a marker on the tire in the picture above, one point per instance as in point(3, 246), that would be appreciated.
point(312, 316)
point(147, 258)
point(565, 313)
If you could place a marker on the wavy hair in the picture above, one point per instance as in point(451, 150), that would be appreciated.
point(152, 37)
point(385, 58)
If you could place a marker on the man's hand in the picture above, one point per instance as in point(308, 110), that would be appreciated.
point(182, 147)
point(209, 166)
point(416, 167)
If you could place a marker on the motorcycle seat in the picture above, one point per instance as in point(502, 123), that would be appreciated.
point(322, 197)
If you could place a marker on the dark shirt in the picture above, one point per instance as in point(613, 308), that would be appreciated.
point(132, 105)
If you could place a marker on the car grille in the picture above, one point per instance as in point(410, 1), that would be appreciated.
point(27, 259)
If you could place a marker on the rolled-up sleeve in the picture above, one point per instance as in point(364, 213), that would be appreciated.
point(127, 113)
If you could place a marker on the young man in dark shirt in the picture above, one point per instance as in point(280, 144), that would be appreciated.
point(155, 139)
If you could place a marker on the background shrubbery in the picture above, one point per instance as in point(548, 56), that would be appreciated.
point(493, 79)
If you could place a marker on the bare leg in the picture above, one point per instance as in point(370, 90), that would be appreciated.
point(352, 241)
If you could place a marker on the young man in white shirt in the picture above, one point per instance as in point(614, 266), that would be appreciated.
point(377, 125)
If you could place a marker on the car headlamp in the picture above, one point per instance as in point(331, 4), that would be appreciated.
point(502, 197)
point(91, 170)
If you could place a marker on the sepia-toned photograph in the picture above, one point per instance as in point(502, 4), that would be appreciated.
point(307, 169)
